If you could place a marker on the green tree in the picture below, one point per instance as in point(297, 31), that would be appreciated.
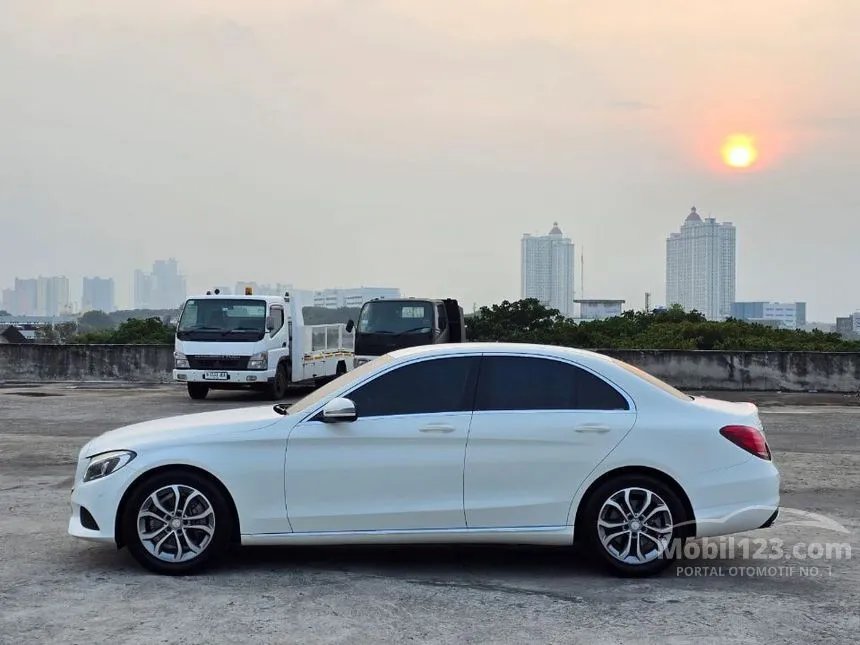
point(135, 331)
point(95, 320)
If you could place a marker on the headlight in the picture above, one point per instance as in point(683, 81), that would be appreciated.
point(180, 361)
point(106, 463)
point(259, 361)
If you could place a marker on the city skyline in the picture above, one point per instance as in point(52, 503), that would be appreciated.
point(415, 142)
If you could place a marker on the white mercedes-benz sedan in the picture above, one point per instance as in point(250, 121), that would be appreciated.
point(473, 442)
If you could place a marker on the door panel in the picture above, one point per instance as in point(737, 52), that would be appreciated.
point(523, 467)
point(399, 465)
point(540, 427)
point(398, 472)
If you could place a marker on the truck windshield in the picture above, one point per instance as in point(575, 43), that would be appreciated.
point(395, 317)
point(222, 319)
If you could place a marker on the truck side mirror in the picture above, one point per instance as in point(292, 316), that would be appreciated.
point(270, 323)
point(350, 325)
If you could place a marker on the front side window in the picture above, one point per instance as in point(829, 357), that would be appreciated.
point(425, 387)
point(534, 383)
point(277, 319)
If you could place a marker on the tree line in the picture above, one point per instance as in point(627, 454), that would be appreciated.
point(528, 321)
point(149, 327)
point(524, 321)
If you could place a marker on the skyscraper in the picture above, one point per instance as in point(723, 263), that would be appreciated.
point(98, 294)
point(547, 270)
point(164, 288)
point(700, 266)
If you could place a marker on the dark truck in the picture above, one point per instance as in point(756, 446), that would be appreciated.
point(386, 324)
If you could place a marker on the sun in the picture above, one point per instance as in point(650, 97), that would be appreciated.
point(739, 151)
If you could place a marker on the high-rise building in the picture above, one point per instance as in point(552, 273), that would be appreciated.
point(53, 296)
point(789, 315)
point(142, 290)
point(700, 266)
point(98, 294)
point(547, 270)
point(164, 288)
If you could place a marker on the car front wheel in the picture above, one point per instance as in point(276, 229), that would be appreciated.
point(635, 525)
point(177, 522)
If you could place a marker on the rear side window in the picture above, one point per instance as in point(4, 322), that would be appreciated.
point(533, 383)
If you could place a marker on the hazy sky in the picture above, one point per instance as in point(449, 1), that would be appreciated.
point(412, 142)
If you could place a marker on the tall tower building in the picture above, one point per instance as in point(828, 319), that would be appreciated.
point(700, 266)
point(547, 270)
point(98, 294)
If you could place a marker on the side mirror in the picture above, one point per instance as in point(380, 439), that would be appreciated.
point(339, 409)
point(270, 323)
point(350, 325)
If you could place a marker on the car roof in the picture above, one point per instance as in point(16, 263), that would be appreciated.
point(536, 349)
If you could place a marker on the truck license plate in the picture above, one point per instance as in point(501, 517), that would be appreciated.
point(216, 376)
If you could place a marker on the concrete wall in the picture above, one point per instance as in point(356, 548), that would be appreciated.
point(689, 370)
point(45, 363)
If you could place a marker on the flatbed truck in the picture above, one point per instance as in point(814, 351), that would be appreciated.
point(226, 342)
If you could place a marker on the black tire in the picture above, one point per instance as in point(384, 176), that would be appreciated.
point(673, 525)
point(198, 391)
point(341, 369)
point(278, 387)
point(208, 501)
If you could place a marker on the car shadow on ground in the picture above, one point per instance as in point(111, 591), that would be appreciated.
point(430, 562)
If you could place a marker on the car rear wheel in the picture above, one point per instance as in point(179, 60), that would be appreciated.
point(177, 522)
point(634, 524)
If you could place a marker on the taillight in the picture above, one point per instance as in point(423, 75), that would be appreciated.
point(749, 438)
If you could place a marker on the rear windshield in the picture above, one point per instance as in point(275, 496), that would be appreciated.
point(653, 380)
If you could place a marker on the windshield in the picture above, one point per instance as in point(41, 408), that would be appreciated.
point(653, 380)
point(216, 318)
point(340, 382)
point(395, 317)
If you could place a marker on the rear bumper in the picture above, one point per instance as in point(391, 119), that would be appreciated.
point(738, 499)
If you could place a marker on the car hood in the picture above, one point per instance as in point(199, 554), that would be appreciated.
point(183, 428)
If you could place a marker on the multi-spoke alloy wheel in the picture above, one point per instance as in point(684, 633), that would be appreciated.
point(635, 525)
point(176, 522)
point(630, 521)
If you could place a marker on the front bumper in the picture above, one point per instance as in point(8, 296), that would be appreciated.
point(233, 377)
point(94, 504)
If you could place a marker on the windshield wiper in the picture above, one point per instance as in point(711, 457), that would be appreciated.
point(411, 331)
point(282, 408)
point(235, 329)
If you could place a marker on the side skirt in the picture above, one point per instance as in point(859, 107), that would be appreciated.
point(538, 535)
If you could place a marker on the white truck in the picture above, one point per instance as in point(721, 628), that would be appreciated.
point(255, 342)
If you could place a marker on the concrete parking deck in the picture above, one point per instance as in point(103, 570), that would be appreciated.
point(56, 589)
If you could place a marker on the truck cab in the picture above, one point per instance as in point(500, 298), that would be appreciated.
point(387, 324)
point(254, 342)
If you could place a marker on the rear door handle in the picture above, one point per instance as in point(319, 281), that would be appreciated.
point(437, 428)
point(597, 428)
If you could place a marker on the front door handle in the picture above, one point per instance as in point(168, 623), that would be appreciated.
point(437, 428)
point(595, 427)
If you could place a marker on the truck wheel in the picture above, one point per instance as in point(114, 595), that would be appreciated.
point(278, 388)
point(198, 390)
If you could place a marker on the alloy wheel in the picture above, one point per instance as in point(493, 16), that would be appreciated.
point(635, 526)
point(176, 523)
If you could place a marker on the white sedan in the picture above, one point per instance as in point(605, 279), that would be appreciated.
point(474, 442)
